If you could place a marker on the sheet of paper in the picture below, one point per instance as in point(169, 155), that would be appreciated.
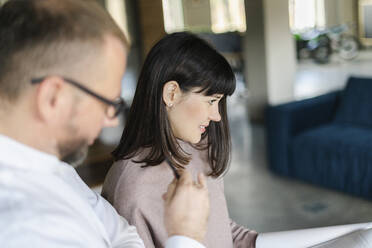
point(357, 239)
point(306, 238)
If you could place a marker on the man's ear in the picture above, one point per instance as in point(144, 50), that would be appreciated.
point(53, 101)
point(171, 93)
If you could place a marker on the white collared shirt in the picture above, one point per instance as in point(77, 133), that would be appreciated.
point(44, 203)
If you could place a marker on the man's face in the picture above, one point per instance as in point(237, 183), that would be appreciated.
point(89, 115)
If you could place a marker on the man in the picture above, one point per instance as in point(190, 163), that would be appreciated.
point(61, 64)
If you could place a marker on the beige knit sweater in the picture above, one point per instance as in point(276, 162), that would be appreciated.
point(136, 193)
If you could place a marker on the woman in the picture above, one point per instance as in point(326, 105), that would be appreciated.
point(178, 114)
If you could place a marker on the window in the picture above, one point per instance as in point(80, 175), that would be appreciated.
point(223, 15)
point(306, 14)
point(173, 16)
point(228, 16)
point(117, 10)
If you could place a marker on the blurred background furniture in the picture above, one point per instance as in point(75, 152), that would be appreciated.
point(326, 140)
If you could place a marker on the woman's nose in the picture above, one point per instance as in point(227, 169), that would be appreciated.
point(215, 114)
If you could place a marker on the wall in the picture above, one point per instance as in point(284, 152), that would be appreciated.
point(280, 52)
point(341, 12)
point(269, 54)
point(151, 22)
point(254, 54)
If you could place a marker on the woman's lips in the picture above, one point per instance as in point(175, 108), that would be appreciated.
point(202, 128)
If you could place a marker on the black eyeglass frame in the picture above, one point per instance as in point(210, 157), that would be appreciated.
point(119, 104)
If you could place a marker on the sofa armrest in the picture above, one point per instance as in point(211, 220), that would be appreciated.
point(313, 237)
point(287, 120)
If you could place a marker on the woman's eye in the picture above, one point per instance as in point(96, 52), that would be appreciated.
point(211, 101)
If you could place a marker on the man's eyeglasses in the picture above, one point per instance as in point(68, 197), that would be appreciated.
point(115, 107)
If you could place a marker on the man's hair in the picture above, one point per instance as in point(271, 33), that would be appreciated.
point(43, 37)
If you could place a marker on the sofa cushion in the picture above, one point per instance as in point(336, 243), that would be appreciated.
point(356, 104)
point(335, 156)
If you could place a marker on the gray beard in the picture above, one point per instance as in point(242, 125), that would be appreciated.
point(74, 153)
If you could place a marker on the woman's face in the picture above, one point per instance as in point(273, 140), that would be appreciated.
point(191, 114)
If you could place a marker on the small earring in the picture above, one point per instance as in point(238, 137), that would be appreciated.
point(170, 105)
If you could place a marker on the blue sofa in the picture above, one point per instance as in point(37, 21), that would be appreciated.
point(326, 140)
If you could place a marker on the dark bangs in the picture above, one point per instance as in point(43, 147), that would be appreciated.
point(199, 65)
point(222, 82)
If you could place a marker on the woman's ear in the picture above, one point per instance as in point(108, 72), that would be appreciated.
point(171, 93)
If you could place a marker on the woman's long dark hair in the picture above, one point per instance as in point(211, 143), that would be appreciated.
point(191, 62)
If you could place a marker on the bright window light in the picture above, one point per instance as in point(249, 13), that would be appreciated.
point(118, 12)
point(226, 16)
point(306, 14)
point(173, 16)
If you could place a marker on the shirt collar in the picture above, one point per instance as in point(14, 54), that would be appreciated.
point(21, 156)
